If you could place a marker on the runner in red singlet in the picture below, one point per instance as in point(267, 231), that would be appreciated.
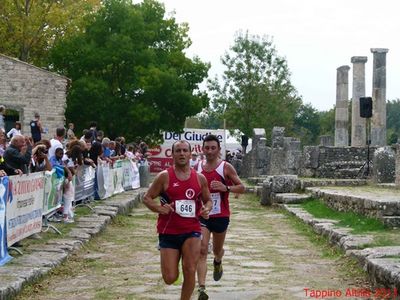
point(222, 179)
point(184, 197)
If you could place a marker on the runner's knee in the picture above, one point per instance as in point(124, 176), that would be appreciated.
point(170, 278)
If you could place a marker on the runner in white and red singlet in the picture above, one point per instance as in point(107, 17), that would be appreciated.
point(184, 198)
point(222, 179)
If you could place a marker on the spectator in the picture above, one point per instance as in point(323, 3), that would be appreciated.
point(84, 131)
point(93, 130)
point(15, 131)
point(3, 142)
point(193, 160)
point(106, 147)
point(130, 152)
point(36, 128)
point(96, 151)
point(143, 148)
point(2, 113)
point(120, 142)
point(56, 142)
point(112, 148)
point(100, 136)
point(56, 159)
point(18, 154)
point(40, 162)
point(6, 170)
point(70, 132)
point(87, 139)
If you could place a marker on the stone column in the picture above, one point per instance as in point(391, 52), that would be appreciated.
point(378, 120)
point(358, 124)
point(342, 112)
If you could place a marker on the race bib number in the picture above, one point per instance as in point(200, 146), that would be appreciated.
point(216, 201)
point(185, 208)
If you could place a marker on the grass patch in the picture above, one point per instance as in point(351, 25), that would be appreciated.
point(320, 241)
point(357, 222)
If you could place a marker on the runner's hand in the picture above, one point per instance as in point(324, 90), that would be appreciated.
point(165, 209)
point(218, 186)
point(204, 212)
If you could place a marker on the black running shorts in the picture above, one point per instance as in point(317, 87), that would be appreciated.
point(217, 225)
point(175, 241)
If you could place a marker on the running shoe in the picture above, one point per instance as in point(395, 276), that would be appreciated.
point(218, 271)
point(202, 294)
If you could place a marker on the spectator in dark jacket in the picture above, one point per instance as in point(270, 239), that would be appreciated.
point(18, 154)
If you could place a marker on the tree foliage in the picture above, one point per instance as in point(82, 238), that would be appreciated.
point(307, 124)
point(129, 71)
point(28, 28)
point(393, 120)
point(255, 90)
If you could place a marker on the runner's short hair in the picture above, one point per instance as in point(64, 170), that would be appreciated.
point(211, 137)
point(181, 141)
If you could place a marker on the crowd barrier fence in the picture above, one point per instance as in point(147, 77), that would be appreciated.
point(26, 200)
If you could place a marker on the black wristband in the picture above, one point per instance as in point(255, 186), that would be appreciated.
point(228, 189)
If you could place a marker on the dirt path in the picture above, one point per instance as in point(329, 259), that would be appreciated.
point(266, 257)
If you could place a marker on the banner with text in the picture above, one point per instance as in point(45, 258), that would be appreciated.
point(53, 191)
point(24, 206)
point(161, 157)
point(4, 256)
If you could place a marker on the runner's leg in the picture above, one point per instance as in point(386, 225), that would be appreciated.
point(190, 259)
point(202, 265)
point(218, 245)
point(169, 264)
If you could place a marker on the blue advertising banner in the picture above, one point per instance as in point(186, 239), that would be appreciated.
point(4, 257)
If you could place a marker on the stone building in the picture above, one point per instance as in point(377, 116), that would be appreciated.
point(27, 89)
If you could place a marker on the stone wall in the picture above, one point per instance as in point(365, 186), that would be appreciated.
point(333, 162)
point(28, 89)
point(255, 161)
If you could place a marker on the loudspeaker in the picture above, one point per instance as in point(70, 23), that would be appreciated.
point(365, 107)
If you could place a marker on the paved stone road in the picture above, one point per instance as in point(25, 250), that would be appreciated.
point(265, 258)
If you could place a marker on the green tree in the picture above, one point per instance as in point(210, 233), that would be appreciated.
point(307, 124)
point(393, 120)
point(327, 122)
point(28, 29)
point(255, 90)
point(129, 71)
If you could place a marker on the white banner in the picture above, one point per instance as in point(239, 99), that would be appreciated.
point(161, 156)
point(118, 176)
point(131, 179)
point(25, 206)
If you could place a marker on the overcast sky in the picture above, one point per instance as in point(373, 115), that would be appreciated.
point(315, 36)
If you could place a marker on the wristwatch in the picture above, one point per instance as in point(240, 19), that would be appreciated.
point(228, 189)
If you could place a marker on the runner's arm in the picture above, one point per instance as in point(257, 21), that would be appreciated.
point(155, 190)
point(206, 197)
point(231, 174)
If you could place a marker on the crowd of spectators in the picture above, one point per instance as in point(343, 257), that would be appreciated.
point(65, 152)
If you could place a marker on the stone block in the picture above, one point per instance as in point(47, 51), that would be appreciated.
point(266, 192)
point(277, 137)
point(384, 165)
point(285, 183)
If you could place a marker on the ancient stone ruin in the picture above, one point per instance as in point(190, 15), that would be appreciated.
point(368, 155)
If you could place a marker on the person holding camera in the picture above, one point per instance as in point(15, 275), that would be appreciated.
point(40, 162)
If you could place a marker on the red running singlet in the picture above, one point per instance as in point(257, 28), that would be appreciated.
point(219, 199)
point(184, 197)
